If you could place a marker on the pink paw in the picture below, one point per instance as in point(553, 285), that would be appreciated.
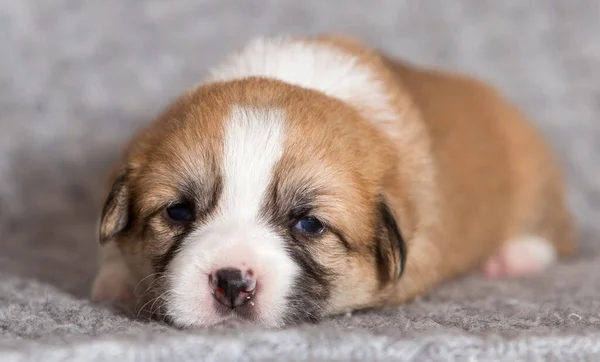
point(522, 256)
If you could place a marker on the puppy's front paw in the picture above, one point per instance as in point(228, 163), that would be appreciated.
point(113, 284)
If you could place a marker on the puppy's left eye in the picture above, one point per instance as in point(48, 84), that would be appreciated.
point(310, 225)
point(181, 212)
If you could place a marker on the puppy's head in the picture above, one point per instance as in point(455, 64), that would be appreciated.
point(259, 200)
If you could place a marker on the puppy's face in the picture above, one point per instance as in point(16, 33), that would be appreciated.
point(257, 200)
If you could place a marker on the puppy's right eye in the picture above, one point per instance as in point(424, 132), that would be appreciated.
point(181, 212)
point(310, 225)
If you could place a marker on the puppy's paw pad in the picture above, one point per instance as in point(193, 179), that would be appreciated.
point(518, 257)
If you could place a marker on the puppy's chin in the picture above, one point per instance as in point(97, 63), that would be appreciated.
point(253, 250)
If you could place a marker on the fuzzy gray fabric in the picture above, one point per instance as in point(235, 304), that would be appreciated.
point(77, 77)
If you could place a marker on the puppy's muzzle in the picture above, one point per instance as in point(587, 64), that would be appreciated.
point(231, 287)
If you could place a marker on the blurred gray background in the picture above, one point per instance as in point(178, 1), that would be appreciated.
point(78, 77)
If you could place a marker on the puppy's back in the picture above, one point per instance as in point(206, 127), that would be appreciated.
point(499, 180)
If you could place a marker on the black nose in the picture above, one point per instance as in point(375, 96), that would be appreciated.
point(231, 288)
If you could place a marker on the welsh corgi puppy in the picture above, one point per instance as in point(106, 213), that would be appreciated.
point(306, 177)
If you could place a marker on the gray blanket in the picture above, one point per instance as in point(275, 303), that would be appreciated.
point(77, 77)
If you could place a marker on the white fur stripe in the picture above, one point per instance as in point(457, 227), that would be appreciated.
point(253, 145)
point(313, 66)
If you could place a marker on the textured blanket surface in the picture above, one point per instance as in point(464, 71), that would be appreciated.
point(77, 77)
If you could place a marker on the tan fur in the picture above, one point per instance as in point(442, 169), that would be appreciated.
point(462, 170)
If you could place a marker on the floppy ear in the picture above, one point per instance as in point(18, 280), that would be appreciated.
point(391, 247)
point(115, 213)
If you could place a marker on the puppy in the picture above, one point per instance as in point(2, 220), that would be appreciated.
point(307, 177)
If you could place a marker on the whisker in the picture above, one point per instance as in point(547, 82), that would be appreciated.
point(144, 278)
point(155, 300)
point(141, 309)
point(161, 277)
point(148, 290)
